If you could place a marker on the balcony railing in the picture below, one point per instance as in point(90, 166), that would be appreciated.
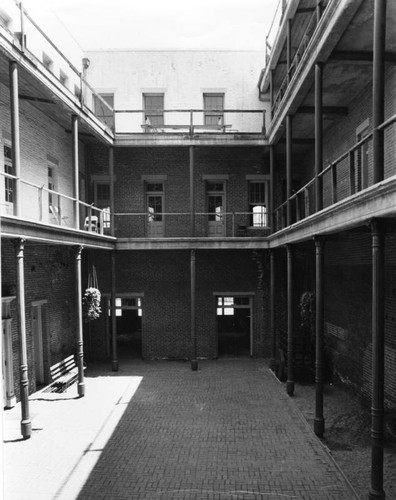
point(191, 121)
point(179, 225)
point(49, 59)
point(41, 204)
point(350, 173)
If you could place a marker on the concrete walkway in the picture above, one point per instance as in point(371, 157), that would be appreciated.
point(157, 430)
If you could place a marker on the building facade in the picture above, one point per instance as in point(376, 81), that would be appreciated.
point(220, 209)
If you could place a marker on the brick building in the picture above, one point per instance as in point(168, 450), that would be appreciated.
point(209, 197)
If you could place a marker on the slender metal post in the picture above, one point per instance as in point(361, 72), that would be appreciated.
point(288, 169)
point(319, 10)
point(378, 373)
point(192, 192)
point(288, 50)
point(318, 136)
point(290, 318)
point(76, 172)
point(22, 17)
point(271, 222)
point(16, 147)
point(80, 343)
point(194, 361)
point(272, 310)
point(379, 39)
point(319, 423)
point(271, 87)
point(114, 356)
point(111, 175)
point(26, 425)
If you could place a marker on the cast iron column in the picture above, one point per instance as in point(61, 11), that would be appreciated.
point(80, 343)
point(271, 221)
point(111, 175)
point(114, 356)
point(272, 310)
point(192, 192)
point(288, 50)
point(26, 425)
point(16, 148)
point(378, 340)
point(288, 169)
point(379, 38)
point(194, 361)
point(76, 172)
point(271, 90)
point(290, 336)
point(318, 136)
point(319, 423)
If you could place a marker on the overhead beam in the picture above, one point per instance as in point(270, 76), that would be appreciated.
point(301, 141)
point(35, 99)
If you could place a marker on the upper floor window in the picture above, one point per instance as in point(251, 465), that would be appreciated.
point(153, 109)
point(102, 200)
point(213, 108)
point(8, 182)
point(258, 204)
point(104, 108)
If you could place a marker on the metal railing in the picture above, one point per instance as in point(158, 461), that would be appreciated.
point(179, 225)
point(191, 121)
point(276, 21)
point(348, 174)
point(34, 42)
point(48, 206)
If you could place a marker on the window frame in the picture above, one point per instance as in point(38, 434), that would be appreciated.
point(104, 114)
point(262, 214)
point(218, 115)
point(151, 116)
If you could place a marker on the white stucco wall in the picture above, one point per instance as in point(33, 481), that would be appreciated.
point(183, 76)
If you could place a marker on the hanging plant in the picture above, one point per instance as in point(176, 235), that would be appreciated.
point(91, 304)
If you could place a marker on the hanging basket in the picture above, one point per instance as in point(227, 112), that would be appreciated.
point(91, 298)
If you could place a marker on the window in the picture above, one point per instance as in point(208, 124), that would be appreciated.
point(52, 197)
point(215, 195)
point(104, 108)
point(126, 303)
point(154, 193)
point(8, 169)
point(258, 204)
point(213, 109)
point(153, 109)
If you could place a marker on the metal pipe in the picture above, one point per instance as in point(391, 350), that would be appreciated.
point(319, 423)
point(192, 192)
point(288, 50)
point(26, 425)
point(272, 310)
point(271, 187)
point(194, 361)
point(288, 168)
point(290, 319)
point(16, 147)
point(76, 172)
point(114, 357)
point(378, 373)
point(80, 343)
point(112, 201)
point(318, 136)
point(379, 43)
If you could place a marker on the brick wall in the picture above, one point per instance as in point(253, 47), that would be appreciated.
point(163, 277)
point(49, 277)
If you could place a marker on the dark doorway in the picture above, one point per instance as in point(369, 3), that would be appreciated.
point(234, 326)
point(129, 326)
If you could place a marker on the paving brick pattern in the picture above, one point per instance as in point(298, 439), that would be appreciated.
point(227, 431)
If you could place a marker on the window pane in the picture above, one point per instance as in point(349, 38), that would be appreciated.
point(259, 216)
point(257, 192)
point(213, 109)
point(154, 106)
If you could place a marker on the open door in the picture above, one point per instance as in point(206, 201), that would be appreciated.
point(234, 325)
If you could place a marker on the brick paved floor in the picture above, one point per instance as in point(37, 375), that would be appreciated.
point(159, 431)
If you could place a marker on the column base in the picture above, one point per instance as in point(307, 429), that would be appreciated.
point(26, 429)
point(114, 365)
point(376, 494)
point(290, 387)
point(194, 365)
point(81, 389)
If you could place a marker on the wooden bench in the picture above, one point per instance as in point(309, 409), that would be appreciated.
point(63, 374)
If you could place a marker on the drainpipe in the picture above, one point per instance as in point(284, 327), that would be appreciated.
point(271, 221)
point(26, 424)
point(288, 51)
point(16, 148)
point(272, 310)
point(114, 357)
point(192, 192)
point(111, 174)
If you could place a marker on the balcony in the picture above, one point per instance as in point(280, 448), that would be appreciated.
point(350, 195)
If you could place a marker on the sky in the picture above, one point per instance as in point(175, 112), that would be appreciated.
point(159, 24)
